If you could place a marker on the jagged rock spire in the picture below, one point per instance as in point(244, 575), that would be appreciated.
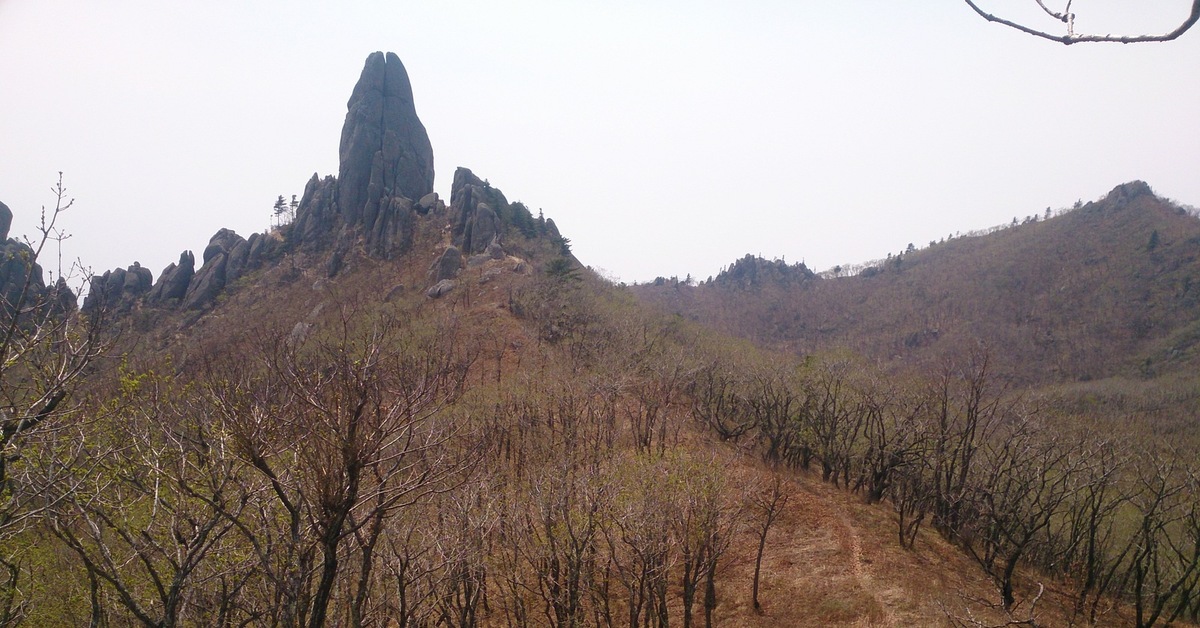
point(385, 152)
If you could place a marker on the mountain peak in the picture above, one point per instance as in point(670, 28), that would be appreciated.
point(1125, 193)
point(384, 151)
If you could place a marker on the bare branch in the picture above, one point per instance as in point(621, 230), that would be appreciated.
point(1071, 38)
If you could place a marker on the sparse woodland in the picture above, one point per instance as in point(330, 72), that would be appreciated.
point(542, 450)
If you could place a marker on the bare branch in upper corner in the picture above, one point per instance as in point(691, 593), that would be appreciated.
point(1071, 37)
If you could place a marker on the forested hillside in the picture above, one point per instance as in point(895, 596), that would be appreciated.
point(390, 410)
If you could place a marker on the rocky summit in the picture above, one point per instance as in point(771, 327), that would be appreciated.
point(385, 152)
point(385, 174)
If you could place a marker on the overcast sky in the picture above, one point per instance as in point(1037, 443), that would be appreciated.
point(664, 138)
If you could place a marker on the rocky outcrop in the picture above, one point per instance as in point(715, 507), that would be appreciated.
point(384, 152)
point(118, 289)
point(475, 208)
point(372, 208)
point(385, 172)
point(1125, 193)
point(317, 215)
point(174, 279)
point(227, 257)
point(14, 272)
point(5, 221)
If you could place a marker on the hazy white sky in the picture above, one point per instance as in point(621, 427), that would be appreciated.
point(663, 137)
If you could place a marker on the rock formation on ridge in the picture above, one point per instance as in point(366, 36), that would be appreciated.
point(15, 273)
point(475, 209)
point(385, 153)
point(384, 186)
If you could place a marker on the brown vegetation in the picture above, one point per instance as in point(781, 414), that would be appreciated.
point(536, 449)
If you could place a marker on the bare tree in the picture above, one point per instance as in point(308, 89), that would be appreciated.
point(1067, 18)
point(46, 349)
point(151, 510)
point(780, 413)
point(836, 417)
point(768, 502)
point(639, 539)
point(1090, 550)
point(704, 522)
point(1164, 567)
point(895, 438)
point(345, 429)
point(966, 409)
point(717, 403)
point(1024, 479)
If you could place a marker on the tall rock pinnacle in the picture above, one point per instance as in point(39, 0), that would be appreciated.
point(385, 152)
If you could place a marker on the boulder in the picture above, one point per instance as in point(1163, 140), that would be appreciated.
point(15, 269)
point(484, 228)
point(428, 203)
point(138, 281)
point(448, 265)
point(440, 289)
point(223, 241)
point(239, 259)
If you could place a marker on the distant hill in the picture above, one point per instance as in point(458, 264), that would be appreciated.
point(1109, 288)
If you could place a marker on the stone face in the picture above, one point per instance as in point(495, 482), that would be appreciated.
point(384, 151)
